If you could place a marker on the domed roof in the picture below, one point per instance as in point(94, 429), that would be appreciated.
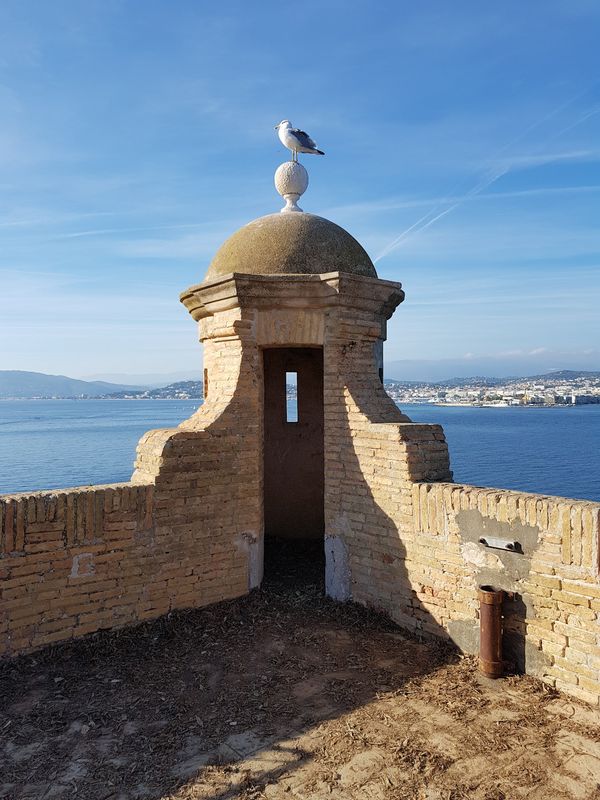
point(290, 243)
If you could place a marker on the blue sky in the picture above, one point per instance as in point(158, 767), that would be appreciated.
point(136, 136)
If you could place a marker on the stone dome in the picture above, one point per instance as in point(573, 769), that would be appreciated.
point(290, 243)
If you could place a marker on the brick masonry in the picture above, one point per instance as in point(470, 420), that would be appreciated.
point(399, 536)
point(552, 625)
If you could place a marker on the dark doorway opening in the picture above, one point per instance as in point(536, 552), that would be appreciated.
point(294, 566)
point(294, 465)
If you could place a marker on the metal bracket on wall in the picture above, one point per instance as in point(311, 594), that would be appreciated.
point(501, 544)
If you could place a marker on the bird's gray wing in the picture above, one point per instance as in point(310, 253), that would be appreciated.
point(303, 138)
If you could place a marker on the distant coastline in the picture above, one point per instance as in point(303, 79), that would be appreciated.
point(403, 403)
point(563, 388)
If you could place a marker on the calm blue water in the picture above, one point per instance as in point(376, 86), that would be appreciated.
point(53, 444)
point(59, 443)
point(543, 450)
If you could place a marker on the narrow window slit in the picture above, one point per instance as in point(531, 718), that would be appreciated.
point(291, 391)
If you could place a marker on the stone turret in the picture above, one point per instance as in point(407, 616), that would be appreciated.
point(293, 293)
point(326, 458)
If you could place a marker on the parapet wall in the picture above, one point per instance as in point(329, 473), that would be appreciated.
point(404, 540)
point(552, 616)
point(79, 560)
point(401, 538)
point(76, 561)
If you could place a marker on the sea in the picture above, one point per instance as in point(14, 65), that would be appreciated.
point(53, 444)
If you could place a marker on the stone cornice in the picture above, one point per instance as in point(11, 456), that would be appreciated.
point(328, 290)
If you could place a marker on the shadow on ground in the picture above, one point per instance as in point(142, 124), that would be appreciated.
point(282, 694)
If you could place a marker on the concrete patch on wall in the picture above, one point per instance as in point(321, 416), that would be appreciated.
point(337, 569)
point(472, 525)
point(83, 566)
point(252, 545)
point(478, 556)
point(503, 570)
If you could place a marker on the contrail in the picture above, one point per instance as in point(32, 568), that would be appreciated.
point(582, 119)
point(476, 190)
point(427, 219)
point(471, 193)
point(489, 161)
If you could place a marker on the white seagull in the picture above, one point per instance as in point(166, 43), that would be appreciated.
point(296, 140)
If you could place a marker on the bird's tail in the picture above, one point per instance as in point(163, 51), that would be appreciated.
point(320, 152)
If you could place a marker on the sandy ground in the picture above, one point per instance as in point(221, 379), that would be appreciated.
point(283, 695)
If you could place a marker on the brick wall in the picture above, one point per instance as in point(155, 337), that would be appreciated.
point(411, 549)
point(402, 539)
point(373, 456)
point(552, 625)
point(184, 533)
point(78, 560)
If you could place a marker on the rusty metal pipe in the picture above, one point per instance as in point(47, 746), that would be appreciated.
point(490, 631)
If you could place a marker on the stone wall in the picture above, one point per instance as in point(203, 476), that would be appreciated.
point(552, 623)
point(411, 549)
point(373, 455)
point(402, 539)
point(186, 532)
point(79, 560)
point(207, 472)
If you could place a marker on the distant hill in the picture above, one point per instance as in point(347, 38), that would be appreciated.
point(184, 390)
point(483, 382)
point(476, 380)
point(562, 375)
point(451, 383)
point(402, 384)
point(19, 385)
point(152, 380)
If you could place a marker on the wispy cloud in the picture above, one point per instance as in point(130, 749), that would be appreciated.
point(54, 218)
point(513, 240)
point(520, 162)
point(396, 204)
point(119, 231)
point(500, 165)
point(434, 215)
point(182, 247)
point(113, 145)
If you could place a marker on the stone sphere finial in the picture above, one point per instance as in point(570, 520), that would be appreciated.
point(291, 181)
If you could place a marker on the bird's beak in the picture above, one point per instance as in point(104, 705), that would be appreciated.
point(276, 126)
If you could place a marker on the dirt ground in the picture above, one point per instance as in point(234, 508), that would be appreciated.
point(283, 695)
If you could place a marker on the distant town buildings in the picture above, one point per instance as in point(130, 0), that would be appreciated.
point(580, 389)
point(567, 388)
point(545, 391)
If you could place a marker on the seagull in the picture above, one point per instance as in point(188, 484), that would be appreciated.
point(296, 140)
